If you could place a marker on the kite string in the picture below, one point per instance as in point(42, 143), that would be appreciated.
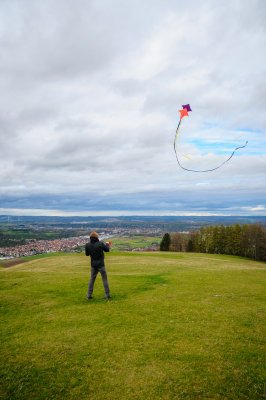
point(206, 170)
point(217, 157)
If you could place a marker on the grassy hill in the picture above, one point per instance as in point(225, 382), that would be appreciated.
point(179, 326)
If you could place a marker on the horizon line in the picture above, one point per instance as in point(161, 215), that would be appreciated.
point(133, 215)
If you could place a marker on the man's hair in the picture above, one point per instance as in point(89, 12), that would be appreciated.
point(94, 234)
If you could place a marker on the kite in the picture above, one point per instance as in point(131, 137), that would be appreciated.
point(184, 112)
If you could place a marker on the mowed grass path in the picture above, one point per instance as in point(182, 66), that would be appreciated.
point(179, 326)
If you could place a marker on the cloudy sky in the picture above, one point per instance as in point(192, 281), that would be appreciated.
point(90, 93)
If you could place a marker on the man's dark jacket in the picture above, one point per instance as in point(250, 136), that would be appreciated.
point(96, 249)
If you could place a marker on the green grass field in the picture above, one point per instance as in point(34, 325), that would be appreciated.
point(179, 326)
point(131, 242)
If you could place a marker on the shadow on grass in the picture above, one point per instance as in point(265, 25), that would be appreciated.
point(102, 300)
point(133, 284)
point(148, 282)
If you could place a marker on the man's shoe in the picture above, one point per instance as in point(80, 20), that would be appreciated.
point(108, 297)
point(89, 297)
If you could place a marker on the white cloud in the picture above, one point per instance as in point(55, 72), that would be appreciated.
point(252, 209)
point(90, 98)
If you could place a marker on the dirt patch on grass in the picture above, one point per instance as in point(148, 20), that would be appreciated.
point(11, 263)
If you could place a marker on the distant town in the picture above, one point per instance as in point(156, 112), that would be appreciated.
point(34, 247)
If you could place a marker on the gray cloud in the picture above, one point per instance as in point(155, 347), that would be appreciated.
point(90, 98)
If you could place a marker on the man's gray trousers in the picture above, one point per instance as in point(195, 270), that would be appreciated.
point(94, 273)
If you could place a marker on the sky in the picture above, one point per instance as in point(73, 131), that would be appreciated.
point(90, 93)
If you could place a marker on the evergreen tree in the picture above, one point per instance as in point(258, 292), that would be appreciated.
point(221, 240)
point(215, 239)
point(191, 243)
point(165, 243)
point(228, 239)
point(202, 240)
point(209, 239)
point(236, 240)
point(190, 246)
point(261, 244)
point(257, 242)
point(196, 242)
point(244, 244)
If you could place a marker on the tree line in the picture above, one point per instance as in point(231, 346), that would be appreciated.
point(238, 240)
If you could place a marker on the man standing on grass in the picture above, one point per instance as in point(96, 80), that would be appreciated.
point(95, 249)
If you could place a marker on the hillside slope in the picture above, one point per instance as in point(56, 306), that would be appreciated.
point(179, 326)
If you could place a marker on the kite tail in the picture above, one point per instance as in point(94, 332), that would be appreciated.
point(177, 131)
point(205, 170)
